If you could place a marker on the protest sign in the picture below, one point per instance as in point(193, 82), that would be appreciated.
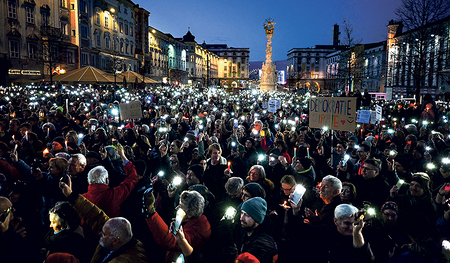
point(337, 113)
point(265, 105)
point(272, 106)
point(130, 110)
point(363, 116)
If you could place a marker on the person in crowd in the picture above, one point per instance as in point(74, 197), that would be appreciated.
point(78, 172)
point(106, 198)
point(254, 239)
point(329, 191)
point(196, 228)
point(371, 186)
point(65, 235)
point(214, 177)
point(116, 243)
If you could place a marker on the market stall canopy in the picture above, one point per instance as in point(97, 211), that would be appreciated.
point(131, 77)
point(86, 74)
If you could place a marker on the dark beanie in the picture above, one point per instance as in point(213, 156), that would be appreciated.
point(197, 169)
point(317, 135)
point(306, 162)
point(256, 208)
point(255, 190)
point(423, 179)
point(353, 138)
point(404, 161)
point(60, 140)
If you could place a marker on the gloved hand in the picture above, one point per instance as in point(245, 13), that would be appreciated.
point(148, 203)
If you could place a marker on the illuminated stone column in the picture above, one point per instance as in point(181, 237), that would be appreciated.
point(268, 81)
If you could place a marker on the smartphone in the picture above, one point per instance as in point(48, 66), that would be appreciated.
point(393, 153)
point(236, 123)
point(346, 158)
point(234, 146)
point(93, 127)
point(298, 193)
point(80, 138)
point(262, 133)
point(230, 213)
point(178, 219)
point(403, 119)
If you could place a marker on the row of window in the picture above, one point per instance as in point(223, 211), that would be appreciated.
point(124, 47)
point(125, 29)
point(32, 49)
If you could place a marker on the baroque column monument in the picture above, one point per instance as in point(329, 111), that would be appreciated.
point(269, 78)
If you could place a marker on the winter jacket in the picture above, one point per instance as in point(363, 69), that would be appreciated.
point(109, 199)
point(197, 231)
point(95, 218)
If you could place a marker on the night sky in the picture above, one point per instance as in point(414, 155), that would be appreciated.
point(299, 24)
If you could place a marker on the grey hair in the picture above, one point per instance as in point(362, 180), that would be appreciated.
point(194, 201)
point(337, 184)
point(112, 153)
point(120, 228)
point(344, 210)
point(262, 172)
point(146, 128)
point(234, 184)
point(98, 175)
point(80, 157)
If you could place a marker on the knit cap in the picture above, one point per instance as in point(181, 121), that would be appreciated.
point(197, 169)
point(256, 208)
point(423, 179)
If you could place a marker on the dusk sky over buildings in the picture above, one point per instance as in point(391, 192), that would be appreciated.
point(299, 24)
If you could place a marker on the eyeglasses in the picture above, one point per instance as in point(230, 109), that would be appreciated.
point(286, 190)
point(5, 214)
point(367, 169)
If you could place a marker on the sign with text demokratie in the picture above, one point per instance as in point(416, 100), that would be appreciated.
point(337, 113)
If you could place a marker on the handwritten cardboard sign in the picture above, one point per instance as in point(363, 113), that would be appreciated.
point(130, 110)
point(337, 113)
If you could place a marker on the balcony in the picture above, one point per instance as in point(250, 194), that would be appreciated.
point(51, 32)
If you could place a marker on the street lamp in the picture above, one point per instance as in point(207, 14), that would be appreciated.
point(112, 10)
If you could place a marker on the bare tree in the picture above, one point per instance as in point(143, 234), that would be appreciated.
point(420, 48)
point(350, 60)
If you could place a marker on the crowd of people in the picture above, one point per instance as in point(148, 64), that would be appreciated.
point(208, 176)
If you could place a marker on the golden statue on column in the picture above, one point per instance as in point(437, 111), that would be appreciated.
point(268, 81)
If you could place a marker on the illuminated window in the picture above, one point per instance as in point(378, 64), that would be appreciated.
point(106, 21)
point(63, 3)
point(127, 49)
point(14, 49)
point(131, 31)
point(121, 27)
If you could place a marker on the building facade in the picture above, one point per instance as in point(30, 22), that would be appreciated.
point(233, 65)
point(418, 60)
point(307, 67)
point(36, 40)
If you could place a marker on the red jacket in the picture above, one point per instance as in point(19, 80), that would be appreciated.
point(109, 199)
point(197, 231)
